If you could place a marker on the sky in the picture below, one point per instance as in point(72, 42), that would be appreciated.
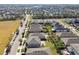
point(39, 2)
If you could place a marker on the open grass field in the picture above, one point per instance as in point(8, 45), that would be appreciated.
point(6, 29)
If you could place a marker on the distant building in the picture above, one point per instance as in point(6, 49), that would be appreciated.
point(41, 21)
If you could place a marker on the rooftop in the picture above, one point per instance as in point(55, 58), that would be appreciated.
point(71, 41)
point(67, 35)
point(35, 28)
point(40, 35)
point(33, 39)
point(38, 51)
point(75, 47)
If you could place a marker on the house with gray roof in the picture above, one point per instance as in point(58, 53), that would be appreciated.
point(69, 38)
point(40, 35)
point(70, 41)
point(68, 35)
point(33, 42)
point(35, 28)
point(73, 49)
point(38, 51)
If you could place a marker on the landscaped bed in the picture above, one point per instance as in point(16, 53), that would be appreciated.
point(53, 42)
point(51, 46)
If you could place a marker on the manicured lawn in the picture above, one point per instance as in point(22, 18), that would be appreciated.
point(51, 46)
point(6, 29)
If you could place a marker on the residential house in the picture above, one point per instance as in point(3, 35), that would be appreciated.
point(40, 35)
point(35, 28)
point(59, 28)
point(69, 38)
point(75, 23)
point(33, 42)
point(73, 49)
point(38, 51)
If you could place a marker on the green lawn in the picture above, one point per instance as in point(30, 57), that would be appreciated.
point(48, 42)
point(51, 46)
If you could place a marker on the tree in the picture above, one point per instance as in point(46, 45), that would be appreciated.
point(17, 32)
point(59, 45)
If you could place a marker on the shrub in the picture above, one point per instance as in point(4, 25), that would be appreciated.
point(20, 40)
point(18, 50)
point(23, 50)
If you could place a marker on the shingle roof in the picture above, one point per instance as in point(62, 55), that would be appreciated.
point(42, 21)
point(76, 24)
point(34, 39)
point(38, 51)
point(40, 35)
point(35, 28)
point(72, 41)
point(67, 35)
point(76, 48)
